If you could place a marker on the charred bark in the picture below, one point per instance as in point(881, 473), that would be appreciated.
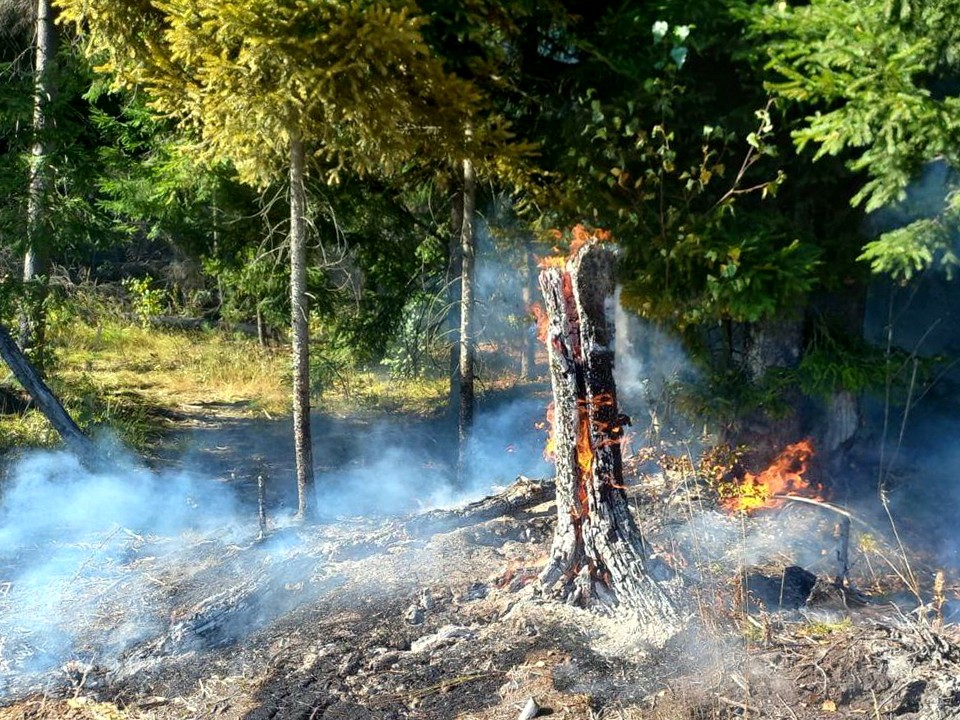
point(597, 553)
point(43, 397)
point(521, 495)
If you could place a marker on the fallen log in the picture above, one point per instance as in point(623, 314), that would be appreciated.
point(43, 397)
point(521, 494)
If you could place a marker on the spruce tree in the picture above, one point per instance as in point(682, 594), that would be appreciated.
point(278, 88)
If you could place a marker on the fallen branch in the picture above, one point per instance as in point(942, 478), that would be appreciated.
point(44, 398)
point(521, 494)
point(739, 705)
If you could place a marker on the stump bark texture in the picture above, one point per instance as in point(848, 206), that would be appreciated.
point(598, 553)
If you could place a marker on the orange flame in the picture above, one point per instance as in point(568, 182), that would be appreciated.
point(540, 315)
point(584, 446)
point(584, 463)
point(552, 261)
point(549, 449)
point(783, 477)
point(580, 236)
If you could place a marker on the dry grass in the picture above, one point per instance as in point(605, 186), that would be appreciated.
point(128, 378)
point(377, 392)
point(174, 367)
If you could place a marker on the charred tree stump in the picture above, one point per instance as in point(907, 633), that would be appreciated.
point(597, 552)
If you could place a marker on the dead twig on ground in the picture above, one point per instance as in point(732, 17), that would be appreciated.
point(445, 685)
point(739, 705)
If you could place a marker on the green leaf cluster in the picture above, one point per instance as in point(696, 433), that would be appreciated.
point(876, 79)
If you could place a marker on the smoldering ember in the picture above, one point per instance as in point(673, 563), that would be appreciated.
point(479, 360)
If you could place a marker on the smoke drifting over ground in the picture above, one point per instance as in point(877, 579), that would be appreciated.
point(79, 549)
point(402, 466)
point(83, 553)
point(69, 552)
point(86, 557)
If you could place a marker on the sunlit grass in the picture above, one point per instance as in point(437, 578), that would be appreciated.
point(28, 430)
point(116, 376)
point(127, 380)
point(378, 392)
point(171, 368)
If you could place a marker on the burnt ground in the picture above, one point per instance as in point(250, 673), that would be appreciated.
point(436, 616)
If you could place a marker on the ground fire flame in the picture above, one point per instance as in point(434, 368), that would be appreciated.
point(784, 477)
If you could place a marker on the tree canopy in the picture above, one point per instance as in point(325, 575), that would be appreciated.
point(879, 81)
point(734, 149)
point(354, 79)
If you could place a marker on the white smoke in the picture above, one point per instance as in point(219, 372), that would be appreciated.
point(648, 362)
point(72, 575)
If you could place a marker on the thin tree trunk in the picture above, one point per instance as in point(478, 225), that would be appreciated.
point(466, 340)
point(36, 259)
point(300, 304)
point(454, 269)
point(215, 217)
point(43, 397)
point(597, 552)
point(261, 328)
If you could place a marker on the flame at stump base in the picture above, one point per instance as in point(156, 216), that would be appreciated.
point(597, 552)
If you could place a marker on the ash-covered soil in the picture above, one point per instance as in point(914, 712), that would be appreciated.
point(437, 616)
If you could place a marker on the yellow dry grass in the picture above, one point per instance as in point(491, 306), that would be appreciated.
point(124, 377)
point(377, 392)
point(170, 367)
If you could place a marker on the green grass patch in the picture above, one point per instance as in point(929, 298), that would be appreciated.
point(130, 380)
point(820, 629)
point(374, 392)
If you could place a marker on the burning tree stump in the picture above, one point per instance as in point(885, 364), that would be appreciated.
point(597, 552)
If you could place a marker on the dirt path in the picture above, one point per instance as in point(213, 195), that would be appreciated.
point(366, 464)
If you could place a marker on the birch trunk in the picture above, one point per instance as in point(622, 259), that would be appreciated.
point(466, 339)
point(36, 257)
point(454, 269)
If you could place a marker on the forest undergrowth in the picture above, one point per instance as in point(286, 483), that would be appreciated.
point(131, 378)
